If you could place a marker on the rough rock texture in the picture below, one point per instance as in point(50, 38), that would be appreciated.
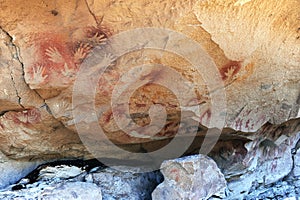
point(125, 183)
point(58, 182)
point(58, 190)
point(288, 187)
point(44, 44)
point(193, 177)
point(71, 182)
point(11, 170)
point(74, 190)
point(254, 45)
point(261, 163)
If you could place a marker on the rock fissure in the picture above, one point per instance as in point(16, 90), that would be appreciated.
point(256, 56)
point(91, 12)
point(15, 56)
point(15, 51)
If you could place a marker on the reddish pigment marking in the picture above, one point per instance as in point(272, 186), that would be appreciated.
point(273, 167)
point(247, 112)
point(172, 105)
point(58, 56)
point(84, 49)
point(247, 123)
point(92, 31)
point(1, 126)
point(59, 42)
point(108, 116)
point(238, 123)
point(52, 68)
point(206, 114)
point(34, 116)
point(139, 105)
point(26, 117)
point(176, 172)
point(107, 82)
point(195, 101)
point(236, 65)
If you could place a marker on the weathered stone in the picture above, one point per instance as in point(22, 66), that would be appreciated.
point(59, 190)
point(11, 170)
point(258, 163)
point(254, 45)
point(41, 57)
point(61, 172)
point(296, 169)
point(73, 190)
point(193, 177)
point(72, 182)
point(125, 183)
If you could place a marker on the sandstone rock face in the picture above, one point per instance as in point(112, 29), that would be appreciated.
point(194, 177)
point(43, 46)
point(208, 64)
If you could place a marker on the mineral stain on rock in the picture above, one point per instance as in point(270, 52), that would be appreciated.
point(46, 48)
point(54, 12)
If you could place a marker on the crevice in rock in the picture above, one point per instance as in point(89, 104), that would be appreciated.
point(3, 113)
point(90, 11)
point(15, 50)
point(293, 153)
point(17, 93)
point(15, 56)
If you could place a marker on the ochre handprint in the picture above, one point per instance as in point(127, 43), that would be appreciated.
point(81, 53)
point(54, 55)
point(37, 76)
point(67, 71)
point(99, 38)
point(230, 72)
point(96, 35)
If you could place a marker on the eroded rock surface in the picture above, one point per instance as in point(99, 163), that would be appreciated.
point(72, 182)
point(125, 182)
point(12, 171)
point(254, 46)
point(58, 190)
point(194, 177)
point(43, 46)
